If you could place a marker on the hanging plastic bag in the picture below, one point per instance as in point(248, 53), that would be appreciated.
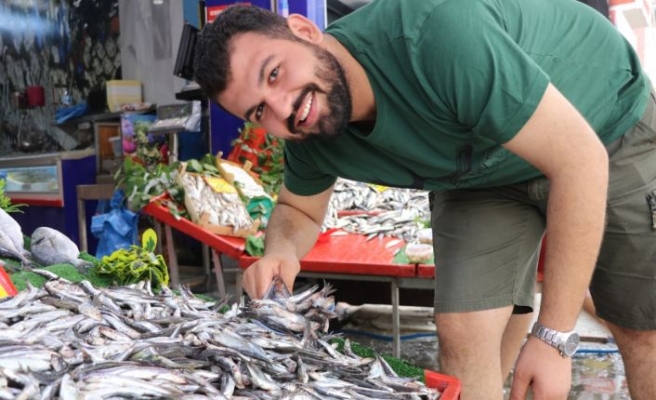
point(116, 229)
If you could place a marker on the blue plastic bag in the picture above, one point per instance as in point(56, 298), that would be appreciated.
point(63, 114)
point(116, 229)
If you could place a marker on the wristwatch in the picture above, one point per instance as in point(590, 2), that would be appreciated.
point(565, 342)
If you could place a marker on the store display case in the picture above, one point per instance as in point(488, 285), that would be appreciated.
point(34, 184)
point(46, 184)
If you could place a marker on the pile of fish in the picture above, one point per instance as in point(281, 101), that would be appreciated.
point(221, 208)
point(48, 246)
point(390, 212)
point(76, 341)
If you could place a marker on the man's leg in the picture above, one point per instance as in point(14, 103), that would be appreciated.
point(623, 285)
point(480, 348)
point(638, 349)
point(486, 250)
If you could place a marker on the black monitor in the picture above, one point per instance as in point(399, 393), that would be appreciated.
point(184, 62)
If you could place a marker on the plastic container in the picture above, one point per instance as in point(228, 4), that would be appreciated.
point(121, 92)
point(449, 386)
point(419, 253)
point(425, 236)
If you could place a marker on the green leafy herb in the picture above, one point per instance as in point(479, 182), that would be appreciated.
point(141, 183)
point(5, 202)
point(269, 156)
point(255, 245)
point(128, 266)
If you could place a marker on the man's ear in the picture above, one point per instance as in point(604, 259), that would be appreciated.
point(304, 29)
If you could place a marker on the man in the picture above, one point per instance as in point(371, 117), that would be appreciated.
point(518, 115)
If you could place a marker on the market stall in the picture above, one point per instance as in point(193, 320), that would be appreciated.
point(139, 342)
point(76, 328)
point(368, 232)
point(337, 255)
point(124, 318)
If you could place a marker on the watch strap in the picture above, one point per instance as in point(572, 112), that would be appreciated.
point(552, 337)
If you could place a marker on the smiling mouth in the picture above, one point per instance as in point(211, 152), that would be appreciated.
point(303, 108)
point(306, 110)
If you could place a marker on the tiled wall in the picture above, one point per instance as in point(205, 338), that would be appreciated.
point(58, 44)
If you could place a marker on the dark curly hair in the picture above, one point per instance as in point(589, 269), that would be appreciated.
point(213, 47)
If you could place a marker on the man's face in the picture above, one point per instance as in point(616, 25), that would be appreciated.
point(294, 89)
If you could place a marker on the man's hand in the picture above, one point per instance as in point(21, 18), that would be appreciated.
point(542, 368)
point(292, 230)
point(258, 277)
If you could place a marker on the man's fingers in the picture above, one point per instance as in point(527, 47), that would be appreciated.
point(518, 393)
point(259, 276)
point(257, 280)
point(249, 283)
point(288, 278)
point(264, 282)
point(519, 389)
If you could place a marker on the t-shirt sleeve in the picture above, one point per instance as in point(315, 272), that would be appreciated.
point(301, 175)
point(479, 74)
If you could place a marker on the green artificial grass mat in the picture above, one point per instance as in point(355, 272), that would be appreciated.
point(66, 271)
point(20, 278)
point(401, 367)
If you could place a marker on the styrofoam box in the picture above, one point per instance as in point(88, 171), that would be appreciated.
point(121, 92)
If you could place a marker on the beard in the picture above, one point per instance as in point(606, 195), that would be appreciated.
point(338, 97)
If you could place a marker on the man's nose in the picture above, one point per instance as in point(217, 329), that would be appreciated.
point(280, 103)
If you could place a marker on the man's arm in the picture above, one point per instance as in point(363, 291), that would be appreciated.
point(558, 141)
point(293, 229)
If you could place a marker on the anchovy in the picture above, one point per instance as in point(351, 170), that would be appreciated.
point(74, 341)
point(372, 211)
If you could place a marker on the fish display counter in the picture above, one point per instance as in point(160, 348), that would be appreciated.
point(47, 183)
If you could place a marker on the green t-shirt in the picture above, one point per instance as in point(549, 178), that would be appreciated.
point(454, 79)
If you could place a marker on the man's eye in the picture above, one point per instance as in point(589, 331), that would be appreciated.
point(259, 111)
point(274, 74)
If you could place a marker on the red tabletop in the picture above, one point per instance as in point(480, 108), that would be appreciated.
point(333, 253)
point(231, 246)
point(426, 271)
point(351, 254)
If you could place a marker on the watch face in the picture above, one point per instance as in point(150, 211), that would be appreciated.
point(571, 344)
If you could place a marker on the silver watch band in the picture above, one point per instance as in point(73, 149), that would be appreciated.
point(565, 342)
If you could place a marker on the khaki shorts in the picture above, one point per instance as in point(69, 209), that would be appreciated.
point(487, 241)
